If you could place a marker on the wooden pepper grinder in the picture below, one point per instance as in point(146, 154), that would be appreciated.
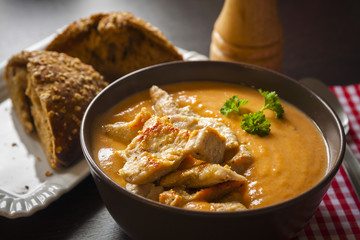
point(249, 31)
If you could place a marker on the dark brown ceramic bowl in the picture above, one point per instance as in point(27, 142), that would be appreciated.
point(141, 218)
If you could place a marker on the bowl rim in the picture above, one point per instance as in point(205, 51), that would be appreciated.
point(327, 179)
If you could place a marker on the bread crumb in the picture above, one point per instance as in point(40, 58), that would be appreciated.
point(13, 144)
point(38, 159)
point(48, 173)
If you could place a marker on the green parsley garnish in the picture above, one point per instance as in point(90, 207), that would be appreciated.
point(255, 123)
point(272, 103)
point(232, 105)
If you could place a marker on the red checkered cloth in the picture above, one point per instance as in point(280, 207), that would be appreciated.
point(338, 216)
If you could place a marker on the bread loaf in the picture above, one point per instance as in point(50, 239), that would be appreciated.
point(50, 92)
point(115, 44)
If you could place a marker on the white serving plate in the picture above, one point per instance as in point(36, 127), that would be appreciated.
point(25, 187)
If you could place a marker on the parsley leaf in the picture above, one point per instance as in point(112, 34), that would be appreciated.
point(256, 123)
point(232, 104)
point(272, 103)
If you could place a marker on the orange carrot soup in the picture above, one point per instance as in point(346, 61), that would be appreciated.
point(172, 144)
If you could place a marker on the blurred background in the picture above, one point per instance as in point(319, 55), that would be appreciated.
point(318, 34)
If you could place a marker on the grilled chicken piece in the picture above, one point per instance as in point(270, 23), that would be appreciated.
point(215, 207)
point(185, 118)
point(200, 176)
point(189, 162)
point(148, 190)
point(195, 123)
point(206, 144)
point(126, 131)
point(241, 160)
point(178, 197)
point(175, 198)
point(164, 104)
point(217, 191)
point(155, 152)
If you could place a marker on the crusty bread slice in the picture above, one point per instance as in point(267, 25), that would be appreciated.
point(15, 76)
point(50, 92)
point(115, 44)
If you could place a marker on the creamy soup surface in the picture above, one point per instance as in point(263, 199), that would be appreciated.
point(287, 162)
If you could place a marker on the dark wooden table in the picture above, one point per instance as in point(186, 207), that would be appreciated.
point(322, 40)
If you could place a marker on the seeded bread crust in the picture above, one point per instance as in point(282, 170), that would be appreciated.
point(115, 44)
point(58, 90)
point(15, 76)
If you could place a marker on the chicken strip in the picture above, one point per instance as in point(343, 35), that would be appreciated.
point(206, 144)
point(155, 152)
point(174, 197)
point(164, 104)
point(196, 123)
point(127, 131)
point(215, 207)
point(178, 197)
point(148, 190)
point(185, 118)
point(189, 162)
point(217, 191)
point(241, 160)
point(200, 176)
